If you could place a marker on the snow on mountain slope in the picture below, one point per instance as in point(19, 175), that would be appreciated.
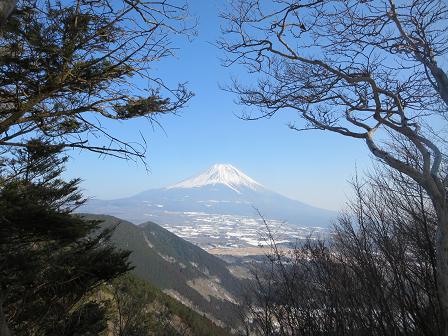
point(219, 207)
point(225, 174)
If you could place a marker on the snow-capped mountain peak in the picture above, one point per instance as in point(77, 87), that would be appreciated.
point(224, 174)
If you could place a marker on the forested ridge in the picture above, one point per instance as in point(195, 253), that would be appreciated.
point(75, 73)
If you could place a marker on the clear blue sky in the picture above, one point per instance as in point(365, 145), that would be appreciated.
point(312, 166)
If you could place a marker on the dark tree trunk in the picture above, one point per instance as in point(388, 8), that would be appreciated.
point(4, 330)
point(442, 264)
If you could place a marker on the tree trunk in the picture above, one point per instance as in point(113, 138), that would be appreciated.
point(442, 264)
point(4, 330)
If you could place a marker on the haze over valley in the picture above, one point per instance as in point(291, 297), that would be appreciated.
point(221, 208)
point(223, 168)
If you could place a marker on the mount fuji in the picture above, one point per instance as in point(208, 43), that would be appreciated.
point(215, 206)
point(220, 174)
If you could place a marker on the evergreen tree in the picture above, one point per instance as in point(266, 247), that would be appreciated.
point(51, 261)
point(68, 68)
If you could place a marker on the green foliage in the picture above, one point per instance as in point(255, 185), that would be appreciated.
point(62, 62)
point(142, 309)
point(140, 107)
point(50, 259)
point(191, 262)
point(53, 263)
point(135, 314)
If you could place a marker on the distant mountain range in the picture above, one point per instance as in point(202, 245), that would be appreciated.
point(187, 273)
point(209, 205)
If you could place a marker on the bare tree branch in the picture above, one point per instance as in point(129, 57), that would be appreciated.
point(65, 68)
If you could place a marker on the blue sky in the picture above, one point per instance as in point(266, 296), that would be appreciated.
point(313, 167)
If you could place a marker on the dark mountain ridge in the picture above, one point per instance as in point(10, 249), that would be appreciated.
point(184, 271)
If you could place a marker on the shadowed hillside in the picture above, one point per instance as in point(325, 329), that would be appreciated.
point(181, 269)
